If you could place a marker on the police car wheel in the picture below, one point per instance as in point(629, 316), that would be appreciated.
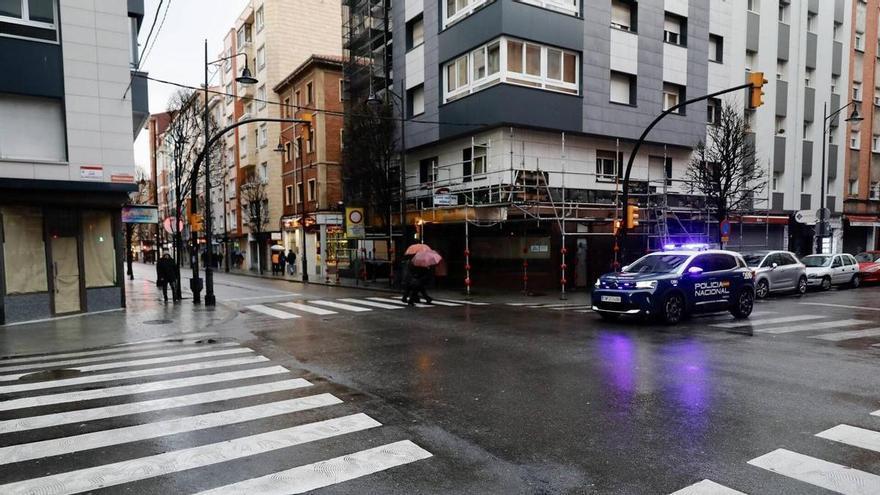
point(826, 283)
point(762, 290)
point(609, 316)
point(802, 286)
point(745, 302)
point(673, 309)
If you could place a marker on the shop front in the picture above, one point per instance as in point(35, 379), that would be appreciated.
point(861, 233)
point(320, 236)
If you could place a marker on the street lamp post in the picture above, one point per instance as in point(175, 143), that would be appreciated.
point(822, 225)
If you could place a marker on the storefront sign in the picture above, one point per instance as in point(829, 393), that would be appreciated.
point(354, 223)
point(91, 172)
point(122, 178)
point(445, 200)
point(275, 236)
point(805, 216)
point(328, 219)
point(140, 214)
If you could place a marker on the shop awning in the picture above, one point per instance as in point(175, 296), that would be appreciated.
point(863, 221)
point(762, 220)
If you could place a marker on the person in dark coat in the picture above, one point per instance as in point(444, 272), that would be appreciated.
point(291, 262)
point(415, 279)
point(166, 274)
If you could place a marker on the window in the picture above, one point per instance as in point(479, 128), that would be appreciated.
point(264, 171)
point(854, 187)
point(606, 166)
point(473, 163)
point(513, 62)
point(859, 42)
point(242, 146)
point(713, 114)
point(285, 110)
point(782, 16)
point(668, 171)
point(416, 100)
point(309, 94)
point(287, 151)
point(296, 100)
point(877, 97)
point(33, 19)
point(811, 22)
point(415, 32)
point(264, 136)
point(32, 128)
point(342, 90)
point(297, 150)
point(857, 91)
point(426, 171)
point(623, 15)
point(753, 5)
point(455, 10)
point(313, 190)
point(750, 60)
point(288, 195)
point(716, 48)
point(261, 57)
point(875, 144)
point(675, 29)
point(299, 192)
point(310, 144)
point(24, 248)
point(875, 190)
point(780, 126)
point(854, 140)
point(261, 97)
point(673, 94)
point(260, 19)
point(244, 36)
point(623, 88)
point(342, 139)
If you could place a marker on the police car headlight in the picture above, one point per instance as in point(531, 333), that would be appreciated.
point(598, 283)
point(646, 284)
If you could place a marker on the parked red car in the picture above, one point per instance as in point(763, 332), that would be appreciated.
point(869, 266)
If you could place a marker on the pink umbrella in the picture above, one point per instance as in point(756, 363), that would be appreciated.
point(427, 259)
point(416, 249)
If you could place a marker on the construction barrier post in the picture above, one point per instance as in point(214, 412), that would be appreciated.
point(563, 266)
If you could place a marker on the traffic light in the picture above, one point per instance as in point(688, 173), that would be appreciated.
point(632, 216)
point(195, 222)
point(756, 92)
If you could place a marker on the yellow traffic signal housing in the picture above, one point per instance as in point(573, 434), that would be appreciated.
point(195, 222)
point(632, 216)
point(756, 92)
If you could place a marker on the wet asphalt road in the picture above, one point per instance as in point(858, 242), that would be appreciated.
point(519, 399)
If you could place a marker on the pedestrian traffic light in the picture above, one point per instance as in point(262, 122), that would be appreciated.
point(632, 216)
point(756, 92)
point(195, 222)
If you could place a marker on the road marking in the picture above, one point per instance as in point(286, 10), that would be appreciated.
point(851, 435)
point(518, 304)
point(469, 303)
point(823, 325)
point(170, 338)
point(279, 296)
point(120, 353)
point(824, 474)
point(397, 301)
point(127, 364)
point(707, 487)
point(94, 478)
point(277, 313)
point(117, 436)
point(141, 388)
point(769, 321)
point(308, 309)
point(321, 474)
point(96, 413)
point(583, 311)
point(841, 306)
point(852, 334)
point(437, 302)
point(579, 307)
point(344, 307)
point(373, 304)
point(123, 375)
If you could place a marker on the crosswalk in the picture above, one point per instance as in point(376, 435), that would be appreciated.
point(291, 310)
point(137, 412)
point(824, 327)
point(831, 476)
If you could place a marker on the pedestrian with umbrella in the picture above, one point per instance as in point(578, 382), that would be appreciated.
point(418, 273)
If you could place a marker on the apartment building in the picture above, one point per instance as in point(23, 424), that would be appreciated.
point(69, 110)
point(861, 179)
point(311, 175)
point(274, 36)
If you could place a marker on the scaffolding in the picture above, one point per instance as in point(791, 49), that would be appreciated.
point(366, 45)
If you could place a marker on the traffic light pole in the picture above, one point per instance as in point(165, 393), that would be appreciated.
point(620, 238)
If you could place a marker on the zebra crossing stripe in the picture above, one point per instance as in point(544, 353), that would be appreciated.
point(277, 313)
point(96, 413)
point(822, 325)
point(851, 435)
point(373, 304)
point(768, 321)
point(321, 474)
point(308, 309)
point(397, 302)
point(824, 474)
point(171, 338)
point(471, 303)
point(118, 473)
point(852, 334)
point(117, 436)
point(145, 362)
point(437, 302)
point(140, 388)
point(4, 362)
point(122, 375)
point(707, 487)
point(344, 307)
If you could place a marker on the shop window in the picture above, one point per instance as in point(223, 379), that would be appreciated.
point(23, 248)
point(99, 252)
point(32, 128)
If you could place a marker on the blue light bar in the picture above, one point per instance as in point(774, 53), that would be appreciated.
point(690, 246)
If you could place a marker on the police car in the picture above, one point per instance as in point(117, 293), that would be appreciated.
point(676, 282)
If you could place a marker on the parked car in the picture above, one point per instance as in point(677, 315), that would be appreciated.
point(672, 284)
point(825, 270)
point(776, 271)
point(869, 266)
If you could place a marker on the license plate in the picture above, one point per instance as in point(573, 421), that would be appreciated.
point(611, 299)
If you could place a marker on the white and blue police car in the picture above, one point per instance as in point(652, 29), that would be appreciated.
point(676, 282)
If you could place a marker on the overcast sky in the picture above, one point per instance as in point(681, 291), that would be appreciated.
point(178, 54)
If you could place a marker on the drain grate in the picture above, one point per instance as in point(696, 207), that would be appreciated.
point(158, 322)
point(50, 375)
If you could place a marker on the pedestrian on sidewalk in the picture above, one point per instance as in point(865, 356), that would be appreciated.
point(291, 262)
point(166, 274)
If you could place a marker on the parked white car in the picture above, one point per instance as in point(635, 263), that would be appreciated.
point(825, 270)
point(776, 271)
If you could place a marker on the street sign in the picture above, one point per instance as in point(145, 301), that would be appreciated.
point(808, 217)
point(140, 214)
point(725, 230)
point(445, 200)
point(354, 223)
point(169, 226)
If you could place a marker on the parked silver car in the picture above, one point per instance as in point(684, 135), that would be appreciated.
point(825, 270)
point(776, 271)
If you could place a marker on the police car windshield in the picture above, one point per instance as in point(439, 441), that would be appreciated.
point(657, 263)
point(816, 261)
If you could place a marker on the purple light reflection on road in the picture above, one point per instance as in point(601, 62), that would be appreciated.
point(618, 356)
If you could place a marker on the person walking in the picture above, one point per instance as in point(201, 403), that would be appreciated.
point(416, 278)
point(291, 262)
point(166, 274)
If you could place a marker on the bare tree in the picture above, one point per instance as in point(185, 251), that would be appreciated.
point(724, 168)
point(183, 133)
point(255, 203)
point(368, 155)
